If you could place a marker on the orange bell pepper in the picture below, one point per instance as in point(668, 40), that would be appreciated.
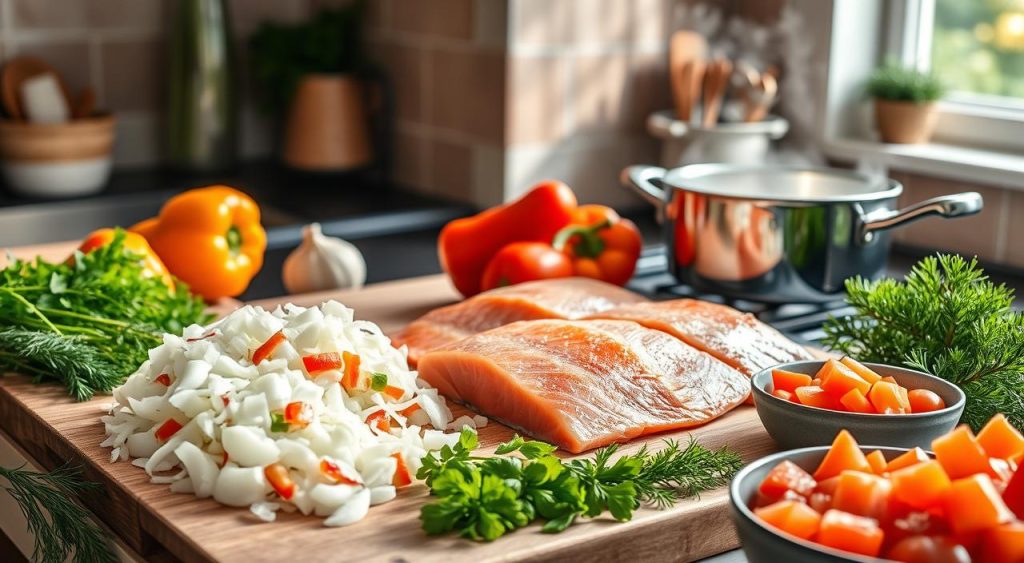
point(960, 454)
point(133, 242)
point(850, 532)
point(791, 517)
point(210, 238)
point(921, 485)
point(1000, 439)
point(601, 244)
point(863, 494)
point(280, 480)
point(974, 505)
point(844, 454)
point(466, 245)
point(789, 380)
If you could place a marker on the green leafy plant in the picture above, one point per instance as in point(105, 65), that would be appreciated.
point(484, 498)
point(948, 319)
point(280, 55)
point(898, 83)
point(60, 526)
point(88, 323)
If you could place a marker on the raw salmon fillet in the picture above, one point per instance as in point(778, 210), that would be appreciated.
point(585, 384)
point(567, 298)
point(736, 338)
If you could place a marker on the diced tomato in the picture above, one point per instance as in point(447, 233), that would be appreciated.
point(163, 379)
point(921, 485)
point(817, 397)
point(402, 476)
point(912, 457)
point(863, 494)
point(267, 348)
point(787, 476)
point(887, 399)
point(784, 395)
point(350, 379)
point(974, 505)
point(332, 471)
point(169, 428)
point(298, 414)
point(855, 401)
point(1000, 439)
point(865, 373)
point(838, 380)
point(850, 532)
point(380, 420)
point(926, 549)
point(279, 479)
point(395, 393)
point(923, 400)
point(844, 454)
point(876, 460)
point(407, 411)
point(960, 454)
point(788, 380)
point(319, 363)
point(223, 458)
point(1014, 493)
point(792, 517)
point(1004, 544)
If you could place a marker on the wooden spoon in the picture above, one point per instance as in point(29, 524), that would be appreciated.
point(684, 47)
point(715, 81)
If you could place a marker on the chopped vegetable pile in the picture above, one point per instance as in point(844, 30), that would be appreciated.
point(299, 409)
point(484, 498)
point(966, 504)
point(848, 385)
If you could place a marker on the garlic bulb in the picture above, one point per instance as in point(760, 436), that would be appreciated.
point(321, 263)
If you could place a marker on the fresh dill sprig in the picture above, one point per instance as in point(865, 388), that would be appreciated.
point(60, 526)
point(48, 356)
point(945, 318)
point(676, 472)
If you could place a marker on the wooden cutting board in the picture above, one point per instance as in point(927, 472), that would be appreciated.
point(164, 526)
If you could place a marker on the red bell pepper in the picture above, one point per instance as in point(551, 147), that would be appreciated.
point(298, 414)
point(268, 347)
point(163, 379)
point(279, 479)
point(319, 363)
point(380, 420)
point(169, 428)
point(332, 471)
point(402, 475)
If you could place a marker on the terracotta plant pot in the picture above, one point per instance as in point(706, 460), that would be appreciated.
point(905, 122)
point(328, 126)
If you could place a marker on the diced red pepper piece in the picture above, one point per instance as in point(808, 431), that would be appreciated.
point(169, 428)
point(395, 393)
point(279, 479)
point(319, 363)
point(960, 454)
point(850, 532)
point(350, 379)
point(787, 476)
point(163, 379)
point(268, 347)
point(975, 505)
point(332, 471)
point(298, 414)
point(380, 419)
point(402, 476)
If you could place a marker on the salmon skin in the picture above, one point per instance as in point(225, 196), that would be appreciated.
point(736, 338)
point(565, 298)
point(585, 384)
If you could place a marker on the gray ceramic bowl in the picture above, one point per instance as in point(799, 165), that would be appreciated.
point(798, 426)
point(765, 544)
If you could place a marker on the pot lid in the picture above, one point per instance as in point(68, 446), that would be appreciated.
point(782, 183)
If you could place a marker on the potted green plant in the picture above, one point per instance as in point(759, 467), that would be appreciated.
point(904, 102)
point(313, 73)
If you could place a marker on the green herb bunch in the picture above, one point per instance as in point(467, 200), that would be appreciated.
point(60, 526)
point(895, 82)
point(948, 319)
point(88, 323)
point(484, 498)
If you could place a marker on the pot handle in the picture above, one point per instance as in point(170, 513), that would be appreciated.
point(638, 178)
point(948, 206)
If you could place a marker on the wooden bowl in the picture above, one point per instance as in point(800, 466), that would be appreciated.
point(58, 159)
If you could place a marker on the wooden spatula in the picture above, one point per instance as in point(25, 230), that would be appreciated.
point(684, 47)
point(716, 79)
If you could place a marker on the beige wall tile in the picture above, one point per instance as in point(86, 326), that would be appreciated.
point(649, 89)
point(1014, 235)
point(441, 18)
point(467, 92)
point(543, 22)
point(536, 97)
point(968, 235)
point(247, 15)
point(603, 21)
point(451, 170)
point(70, 59)
point(133, 75)
point(64, 14)
point(410, 159)
point(599, 87)
point(405, 66)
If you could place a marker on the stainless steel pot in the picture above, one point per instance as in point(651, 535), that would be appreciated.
point(779, 234)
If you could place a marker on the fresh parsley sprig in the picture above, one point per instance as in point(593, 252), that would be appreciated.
point(945, 318)
point(484, 498)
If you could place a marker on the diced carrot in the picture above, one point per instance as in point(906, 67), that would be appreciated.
point(841, 379)
point(268, 347)
point(784, 395)
point(923, 400)
point(787, 476)
point(402, 476)
point(1000, 469)
point(912, 457)
point(876, 460)
point(1000, 439)
point(974, 505)
point(1014, 493)
point(921, 485)
point(865, 373)
point(1003, 544)
point(850, 532)
point(855, 401)
point(844, 454)
point(887, 399)
point(905, 398)
point(863, 494)
point(817, 397)
point(789, 380)
point(350, 378)
point(792, 517)
point(960, 454)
